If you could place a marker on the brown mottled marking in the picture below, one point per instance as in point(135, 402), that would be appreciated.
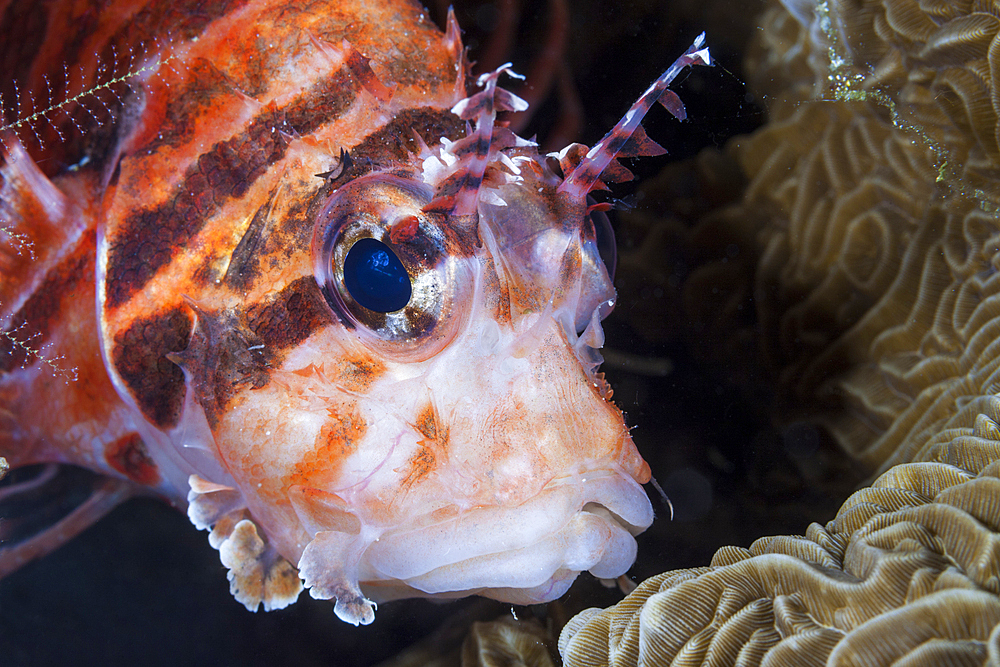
point(129, 456)
point(451, 188)
point(435, 440)
point(337, 439)
point(324, 101)
point(222, 356)
point(150, 238)
point(234, 349)
point(427, 423)
point(357, 373)
point(187, 18)
point(420, 465)
point(339, 435)
point(418, 320)
point(228, 169)
point(290, 317)
point(32, 323)
point(139, 355)
point(396, 142)
point(198, 95)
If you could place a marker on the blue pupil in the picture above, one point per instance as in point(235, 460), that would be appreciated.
point(375, 277)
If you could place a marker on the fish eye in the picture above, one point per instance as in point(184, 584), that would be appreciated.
point(396, 275)
point(375, 277)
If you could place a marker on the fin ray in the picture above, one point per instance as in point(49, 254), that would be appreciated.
point(29, 501)
point(38, 224)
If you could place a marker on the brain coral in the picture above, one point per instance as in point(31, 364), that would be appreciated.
point(871, 213)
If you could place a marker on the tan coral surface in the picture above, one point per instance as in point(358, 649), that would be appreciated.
point(875, 211)
point(908, 569)
point(871, 213)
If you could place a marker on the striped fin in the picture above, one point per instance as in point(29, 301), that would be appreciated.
point(587, 173)
point(465, 160)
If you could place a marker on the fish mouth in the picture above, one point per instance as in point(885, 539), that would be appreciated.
point(524, 554)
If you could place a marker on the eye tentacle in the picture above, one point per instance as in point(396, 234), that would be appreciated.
point(466, 159)
point(586, 174)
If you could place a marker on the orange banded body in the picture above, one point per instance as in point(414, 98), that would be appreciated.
point(177, 314)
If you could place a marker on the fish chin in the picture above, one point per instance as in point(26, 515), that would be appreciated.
point(525, 554)
point(539, 572)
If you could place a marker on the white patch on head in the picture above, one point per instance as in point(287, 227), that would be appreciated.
point(489, 196)
point(489, 338)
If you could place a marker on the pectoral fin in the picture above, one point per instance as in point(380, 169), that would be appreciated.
point(43, 506)
point(38, 224)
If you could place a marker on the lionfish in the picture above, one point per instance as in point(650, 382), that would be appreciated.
point(274, 263)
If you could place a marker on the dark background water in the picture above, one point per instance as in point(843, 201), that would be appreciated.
point(144, 587)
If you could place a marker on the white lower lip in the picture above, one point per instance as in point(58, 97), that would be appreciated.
point(586, 542)
point(524, 546)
